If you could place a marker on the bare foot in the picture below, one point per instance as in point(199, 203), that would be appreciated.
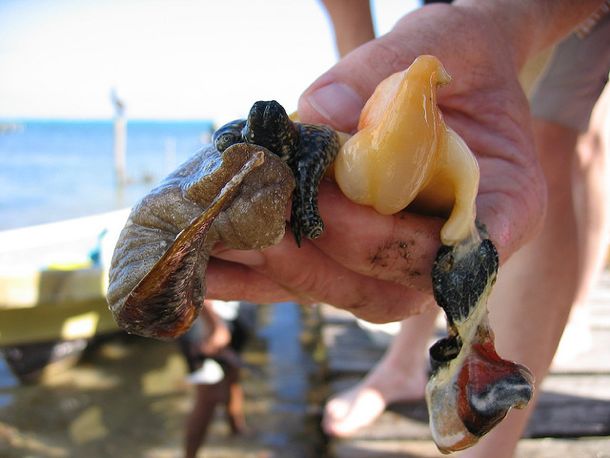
point(401, 375)
point(353, 409)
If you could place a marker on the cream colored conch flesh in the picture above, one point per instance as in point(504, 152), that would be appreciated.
point(404, 154)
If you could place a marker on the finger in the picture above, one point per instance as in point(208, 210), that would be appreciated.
point(396, 248)
point(232, 281)
point(337, 97)
point(314, 277)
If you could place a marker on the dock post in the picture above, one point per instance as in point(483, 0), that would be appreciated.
point(120, 138)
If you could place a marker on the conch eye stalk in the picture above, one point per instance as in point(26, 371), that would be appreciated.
point(404, 155)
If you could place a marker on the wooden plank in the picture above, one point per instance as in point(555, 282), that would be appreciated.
point(568, 407)
point(600, 316)
point(571, 406)
point(384, 449)
point(596, 360)
point(574, 400)
point(348, 349)
point(527, 448)
point(592, 386)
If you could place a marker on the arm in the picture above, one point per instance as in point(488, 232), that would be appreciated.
point(217, 335)
point(352, 23)
point(533, 25)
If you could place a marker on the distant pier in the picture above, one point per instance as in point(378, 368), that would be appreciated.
point(120, 139)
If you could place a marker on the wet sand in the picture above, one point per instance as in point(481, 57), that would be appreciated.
point(128, 397)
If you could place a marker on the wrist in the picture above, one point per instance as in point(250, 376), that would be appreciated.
point(530, 26)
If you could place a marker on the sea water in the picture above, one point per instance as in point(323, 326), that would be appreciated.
point(52, 170)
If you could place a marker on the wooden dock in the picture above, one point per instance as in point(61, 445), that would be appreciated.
point(128, 397)
point(572, 417)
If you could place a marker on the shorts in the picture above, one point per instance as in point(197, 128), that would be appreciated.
point(190, 342)
point(574, 78)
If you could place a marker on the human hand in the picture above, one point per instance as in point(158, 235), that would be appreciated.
point(378, 266)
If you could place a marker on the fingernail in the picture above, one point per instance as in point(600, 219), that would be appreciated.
point(250, 258)
point(339, 104)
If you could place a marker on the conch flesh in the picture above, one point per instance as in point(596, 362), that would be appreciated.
point(403, 154)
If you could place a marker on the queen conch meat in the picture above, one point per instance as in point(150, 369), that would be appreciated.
point(403, 152)
point(403, 155)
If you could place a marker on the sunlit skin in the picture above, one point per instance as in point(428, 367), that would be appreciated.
point(485, 106)
point(402, 153)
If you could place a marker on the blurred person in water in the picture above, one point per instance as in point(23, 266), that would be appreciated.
point(211, 349)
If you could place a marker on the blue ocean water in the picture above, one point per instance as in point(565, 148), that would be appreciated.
point(54, 169)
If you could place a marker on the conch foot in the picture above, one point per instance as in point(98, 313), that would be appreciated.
point(175, 278)
point(471, 388)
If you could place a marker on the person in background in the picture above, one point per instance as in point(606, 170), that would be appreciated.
point(211, 349)
point(552, 273)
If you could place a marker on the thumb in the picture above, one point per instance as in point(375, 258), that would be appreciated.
point(337, 97)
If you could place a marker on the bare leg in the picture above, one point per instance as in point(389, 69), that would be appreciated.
point(591, 182)
point(352, 23)
point(198, 422)
point(399, 376)
point(235, 402)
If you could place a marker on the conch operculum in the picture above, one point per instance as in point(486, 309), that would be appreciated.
point(157, 281)
point(403, 154)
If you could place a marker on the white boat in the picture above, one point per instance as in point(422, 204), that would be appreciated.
point(53, 280)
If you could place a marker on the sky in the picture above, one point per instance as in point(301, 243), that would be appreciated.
point(177, 59)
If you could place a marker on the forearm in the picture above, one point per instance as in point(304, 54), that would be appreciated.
point(209, 317)
point(533, 25)
point(352, 23)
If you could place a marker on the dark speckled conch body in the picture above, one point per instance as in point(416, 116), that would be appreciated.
point(471, 388)
point(308, 150)
point(157, 281)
